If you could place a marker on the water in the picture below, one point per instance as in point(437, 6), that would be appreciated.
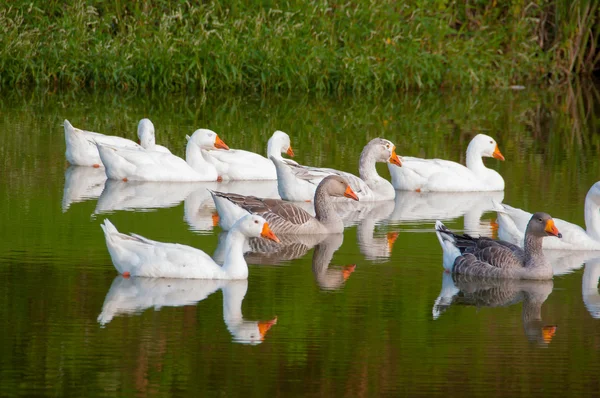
point(71, 326)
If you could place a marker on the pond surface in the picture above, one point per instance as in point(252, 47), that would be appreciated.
point(358, 315)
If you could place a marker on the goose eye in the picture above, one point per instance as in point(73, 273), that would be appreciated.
point(256, 221)
point(491, 142)
point(539, 219)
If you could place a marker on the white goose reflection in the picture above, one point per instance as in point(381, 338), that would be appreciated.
point(589, 287)
point(134, 295)
point(431, 206)
point(81, 184)
point(481, 292)
point(134, 195)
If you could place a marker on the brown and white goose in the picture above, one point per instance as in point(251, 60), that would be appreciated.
point(285, 217)
point(490, 258)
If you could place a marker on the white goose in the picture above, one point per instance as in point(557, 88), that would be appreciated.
point(132, 165)
point(299, 183)
point(446, 176)
point(512, 223)
point(81, 144)
point(137, 256)
point(146, 135)
point(237, 164)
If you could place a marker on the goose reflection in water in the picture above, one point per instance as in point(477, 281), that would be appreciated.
point(431, 206)
point(291, 247)
point(81, 184)
point(589, 287)
point(134, 295)
point(136, 195)
point(473, 291)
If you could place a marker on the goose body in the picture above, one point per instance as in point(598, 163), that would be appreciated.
point(490, 258)
point(446, 176)
point(81, 144)
point(285, 217)
point(132, 165)
point(512, 223)
point(299, 183)
point(134, 255)
point(237, 164)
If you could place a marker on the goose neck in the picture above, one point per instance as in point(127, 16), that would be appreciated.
point(324, 210)
point(366, 165)
point(274, 149)
point(235, 265)
point(474, 159)
point(533, 250)
point(592, 218)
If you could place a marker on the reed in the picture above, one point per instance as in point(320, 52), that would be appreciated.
point(308, 46)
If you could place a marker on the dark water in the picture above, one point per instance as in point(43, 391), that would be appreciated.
point(71, 326)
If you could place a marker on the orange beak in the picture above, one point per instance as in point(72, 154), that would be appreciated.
point(548, 333)
point(215, 219)
point(391, 238)
point(264, 326)
point(290, 152)
point(220, 144)
point(497, 154)
point(268, 234)
point(394, 159)
point(551, 229)
point(350, 193)
point(347, 270)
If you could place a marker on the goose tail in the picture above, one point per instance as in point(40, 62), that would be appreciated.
point(448, 243)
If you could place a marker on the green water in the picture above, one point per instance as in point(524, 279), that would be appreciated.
point(71, 327)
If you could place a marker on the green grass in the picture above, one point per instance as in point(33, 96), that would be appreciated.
point(308, 46)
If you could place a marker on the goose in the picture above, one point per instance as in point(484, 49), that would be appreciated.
point(147, 138)
point(237, 164)
point(446, 176)
point(285, 217)
point(513, 221)
point(498, 259)
point(138, 256)
point(298, 183)
point(135, 295)
point(81, 144)
point(492, 292)
point(131, 165)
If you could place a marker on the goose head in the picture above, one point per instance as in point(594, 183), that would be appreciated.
point(486, 146)
point(145, 133)
point(541, 225)
point(280, 143)
point(337, 186)
point(384, 151)
point(207, 139)
point(254, 226)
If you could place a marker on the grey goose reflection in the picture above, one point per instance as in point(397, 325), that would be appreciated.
point(479, 292)
point(285, 217)
point(486, 257)
point(131, 296)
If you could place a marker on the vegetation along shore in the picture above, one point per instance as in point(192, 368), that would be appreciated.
point(307, 46)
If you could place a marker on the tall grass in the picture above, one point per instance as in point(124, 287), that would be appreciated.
point(316, 45)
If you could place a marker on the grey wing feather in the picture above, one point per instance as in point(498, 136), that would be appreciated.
point(287, 212)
